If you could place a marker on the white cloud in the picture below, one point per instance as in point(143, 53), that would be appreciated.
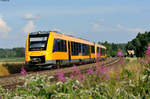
point(29, 16)
point(130, 30)
point(95, 27)
point(56, 29)
point(101, 20)
point(100, 28)
point(29, 27)
point(4, 28)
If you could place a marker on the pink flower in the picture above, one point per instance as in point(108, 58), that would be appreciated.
point(90, 71)
point(119, 52)
point(107, 76)
point(141, 61)
point(102, 70)
point(61, 76)
point(75, 69)
point(80, 77)
point(71, 76)
point(138, 71)
point(117, 77)
point(23, 71)
point(146, 62)
point(148, 50)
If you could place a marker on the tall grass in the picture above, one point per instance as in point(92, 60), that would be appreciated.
point(3, 71)
point(124, 81)
point(7, 68)
point(129, 80)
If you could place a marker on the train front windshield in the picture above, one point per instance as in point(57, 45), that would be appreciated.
point(38, 42)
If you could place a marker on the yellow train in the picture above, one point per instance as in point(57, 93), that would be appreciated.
point(53, 48)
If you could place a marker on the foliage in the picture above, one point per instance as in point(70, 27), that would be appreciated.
point(112, 48)
point(139, 44)
point(15, 52)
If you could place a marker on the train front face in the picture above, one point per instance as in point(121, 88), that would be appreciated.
point(37, 51)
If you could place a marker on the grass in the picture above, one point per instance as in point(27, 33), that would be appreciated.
point(131, 79)
point(13, 59)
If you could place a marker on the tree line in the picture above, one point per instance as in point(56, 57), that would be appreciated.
point(112, 48)
point(14, 52)
point(139, 44)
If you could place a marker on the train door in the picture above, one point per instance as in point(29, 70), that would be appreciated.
point(69, 52)
point(100, 53)
point(89, 51)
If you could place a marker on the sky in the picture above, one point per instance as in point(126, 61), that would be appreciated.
point(117, 21)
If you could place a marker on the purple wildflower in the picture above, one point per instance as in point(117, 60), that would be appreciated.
point(146, 61)
point(71, 76)
point(119, 52)
point(107, 76)
point(117, 77)
point(148, 51)
point(142, 61)
point(80, 77)
point(61, 76)
point(148, 54)
point(102, 70)
point(90, 71)
point(75, 69)
point(23, 71)
point(138, 71)
point(77, 72)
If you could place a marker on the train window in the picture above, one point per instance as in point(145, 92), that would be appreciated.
point(75, 48)
point(92, 49)
point(102, 51)
point(97, 49)
point(78, 48)
point(85, 49)
point(59, 45)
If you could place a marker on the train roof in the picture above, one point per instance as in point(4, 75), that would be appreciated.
point(39, 32)
point(101, 46)
point(47, 32)
point(72, 38)
point(67, 37)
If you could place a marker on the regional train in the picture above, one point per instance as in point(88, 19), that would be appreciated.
point(54, 48)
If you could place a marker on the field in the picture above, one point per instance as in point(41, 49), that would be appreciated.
point(127, 80)
point(10, 65)
point(14, 59)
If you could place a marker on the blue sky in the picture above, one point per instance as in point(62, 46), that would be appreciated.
point(116, 21)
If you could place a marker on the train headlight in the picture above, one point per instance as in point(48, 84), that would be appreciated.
point(47, 53)
point(30, 54)
point(43, 53)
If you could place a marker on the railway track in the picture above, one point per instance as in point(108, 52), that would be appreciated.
point(13, 80)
